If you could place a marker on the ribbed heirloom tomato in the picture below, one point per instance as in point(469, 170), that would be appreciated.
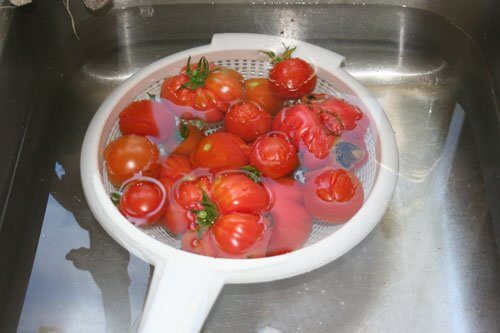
point(202, 91)
point(304, 129)
point(228, 208)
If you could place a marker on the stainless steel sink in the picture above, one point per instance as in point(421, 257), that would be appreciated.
point(431, 265)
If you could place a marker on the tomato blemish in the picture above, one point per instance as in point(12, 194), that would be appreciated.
point(335, 185)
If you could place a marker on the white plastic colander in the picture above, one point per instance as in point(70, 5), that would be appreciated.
point(185, 285)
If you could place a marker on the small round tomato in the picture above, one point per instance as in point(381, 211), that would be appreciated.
point(240, 235)
point(143, 201)
point(274, 155)
point(190, 242)
point(291, 78)
point(174, 167)
point(129, 155)
point(148, 118)
point(219, 151)
point(333, 195)
point(237, 192)
point(201, 92)
point(260, 91)
point(304, 129)
point(247, 120)
point(191, 137)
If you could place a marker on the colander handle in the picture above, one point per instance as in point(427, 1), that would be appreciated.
point(180, 297)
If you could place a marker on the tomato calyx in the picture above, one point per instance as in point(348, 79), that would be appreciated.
point(151, 96)
point(253, 173)
point(205, 217)
point(198, 75)
point(276, 58)
point(115, 197)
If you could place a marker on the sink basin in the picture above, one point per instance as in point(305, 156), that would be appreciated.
point(432, 263)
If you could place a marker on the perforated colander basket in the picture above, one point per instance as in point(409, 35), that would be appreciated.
point(185, 285)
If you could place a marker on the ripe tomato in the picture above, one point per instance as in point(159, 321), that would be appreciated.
point(305, 129)
point(143, 201)
point(185, 197)
point(131, 154)
point(202, 246)
point(292, 223)
point(291, 78)
point(174, 167)
point(236, 192)
point(202, 93)
point(274, 155)
point(148, 118)
point(229, 208)
point(336, 114)
point(333, 195)
point(291, 229)
point(219, 151)
point(349, 152)
point(260, 91)
point(192, 136)
point(240, 235)
point(247, 120)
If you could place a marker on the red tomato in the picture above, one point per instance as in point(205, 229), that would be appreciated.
point(226, 84)
point(291, 78)
point(238, 193)
point(292, 223)
point(274, 155)
point(333, 195)
point(185, 197)
point(259, 90)
point(143, 202)
point(349, 152)
point(219, 151)
point(305, 129)
point(193, 136)
point(131, 154)
point(174, 167)
point(202, 246)
point(199, 93)
point(336, 114)
point(247, 120)
point(148, 118)
point(177, 219)
point(292, 227)
point(240, 235)
point(286, 188)
point(229, 208)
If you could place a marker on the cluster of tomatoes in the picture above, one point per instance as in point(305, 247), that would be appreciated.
point(231, 193)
